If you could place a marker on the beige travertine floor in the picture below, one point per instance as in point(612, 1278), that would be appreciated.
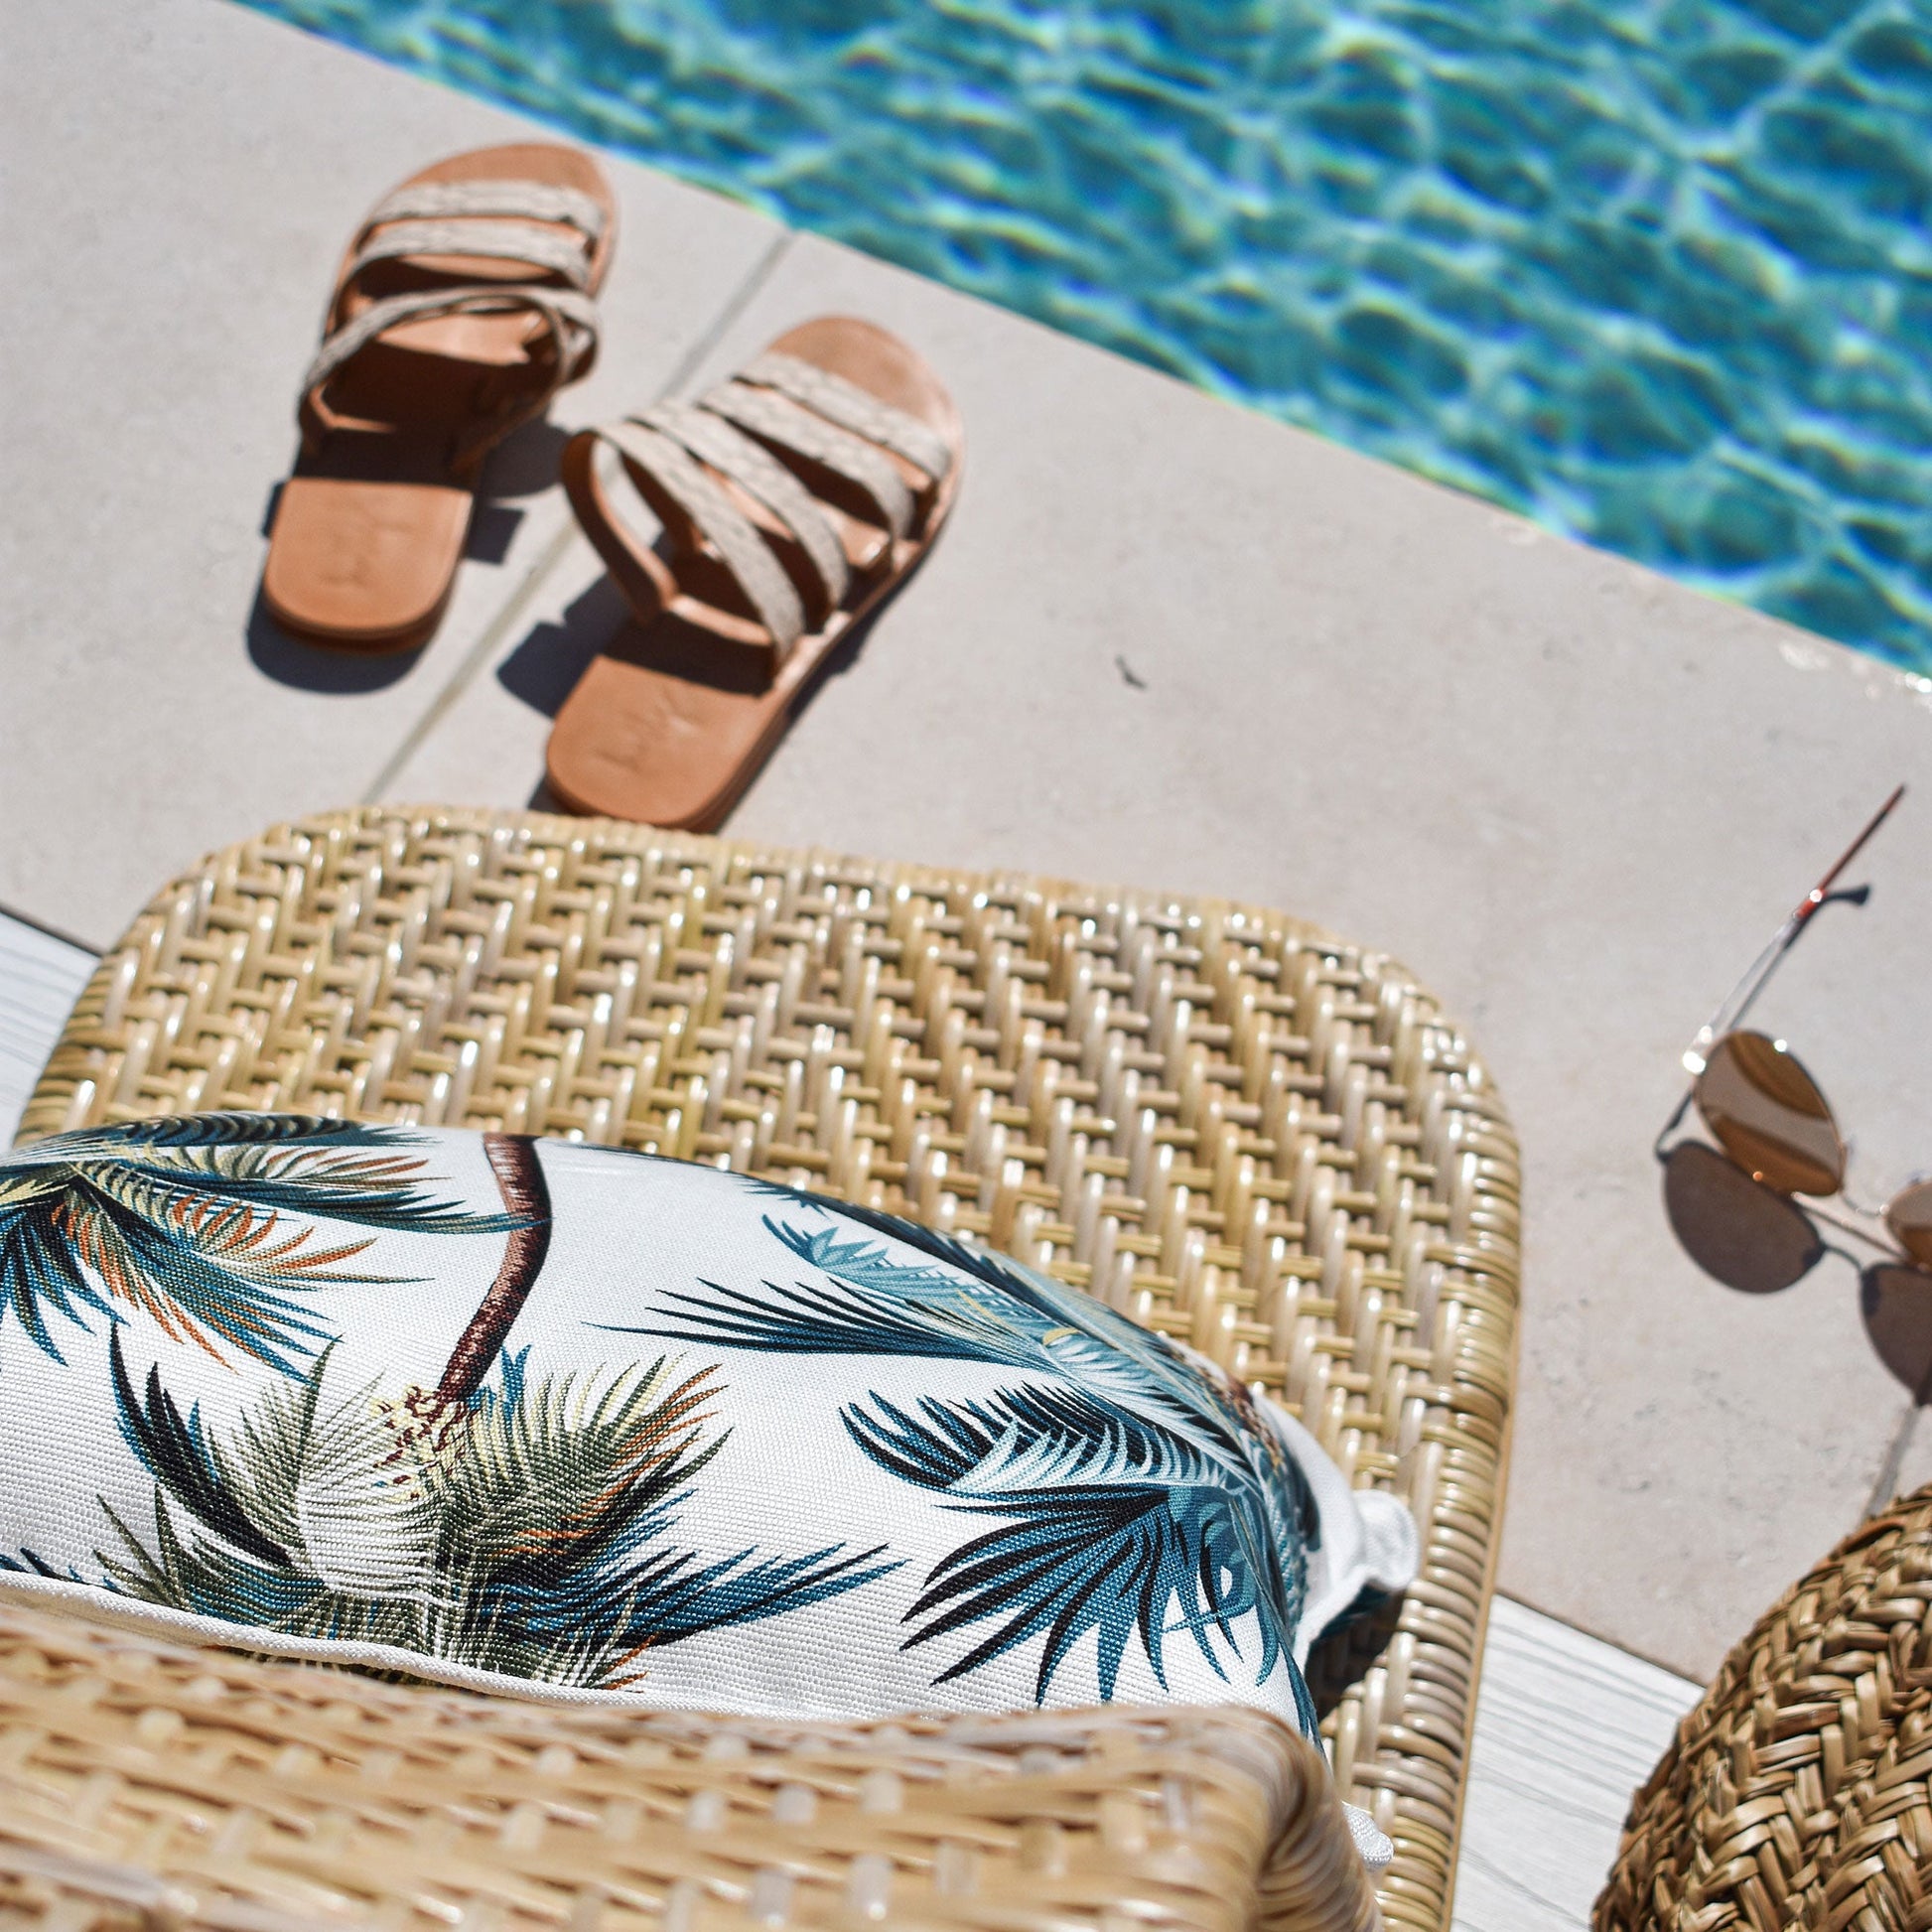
point(1575, 797)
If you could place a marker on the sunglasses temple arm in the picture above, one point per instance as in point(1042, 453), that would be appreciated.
point(1744, 995)
point(1736, 1002)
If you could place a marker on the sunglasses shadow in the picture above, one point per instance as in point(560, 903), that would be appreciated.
point(1896, 1303)
point(1738, 1230)
point(1758, 1241)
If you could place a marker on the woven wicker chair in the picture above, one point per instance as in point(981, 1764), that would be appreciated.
point(1234, 1128)
point(1797, 1793)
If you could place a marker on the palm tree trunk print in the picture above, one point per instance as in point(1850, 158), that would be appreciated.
point(527, 1194)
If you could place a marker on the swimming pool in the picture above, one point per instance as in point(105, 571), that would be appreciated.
point(1657, 273)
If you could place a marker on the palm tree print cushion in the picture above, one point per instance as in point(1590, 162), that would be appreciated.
point(516, 1415)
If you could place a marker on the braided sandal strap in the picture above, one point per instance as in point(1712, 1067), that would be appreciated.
point(765, 481)
point(569, 317)
point(526, 201)
point(553, 251)
point(786, 425)
point(853, 408)
point(660, 464)
point(687, 458)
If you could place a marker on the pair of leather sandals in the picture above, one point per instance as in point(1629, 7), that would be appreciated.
point(778, 508)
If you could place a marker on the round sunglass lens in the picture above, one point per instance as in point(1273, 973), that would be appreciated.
point(1769, 1116)
point(1909, 1216)
point(1734, 1228)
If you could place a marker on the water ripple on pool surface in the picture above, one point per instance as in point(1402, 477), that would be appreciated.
point(1656, 274)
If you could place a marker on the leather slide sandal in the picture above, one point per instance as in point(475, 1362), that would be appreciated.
point(463, 304)
point(791, 502)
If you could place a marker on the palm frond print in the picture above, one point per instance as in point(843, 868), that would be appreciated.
point(208, 1226)
point(1115, 1527)
point(964, 1305)
point(1141, 1498)
point(534, 1534)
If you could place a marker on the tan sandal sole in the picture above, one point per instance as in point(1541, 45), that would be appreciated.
point(370, 528)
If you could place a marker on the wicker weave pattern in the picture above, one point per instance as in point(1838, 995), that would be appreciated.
point(1234, 1128)
point(1796, 1792)
point(263, 1797)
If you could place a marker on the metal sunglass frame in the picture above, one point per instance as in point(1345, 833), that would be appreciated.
point(1723, 1023)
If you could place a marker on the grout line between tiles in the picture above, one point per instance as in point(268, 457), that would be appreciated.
point(1886, 1485)
point(729, 311)
point(479, 654)
point(560, 543)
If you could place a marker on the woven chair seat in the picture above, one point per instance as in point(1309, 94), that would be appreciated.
point(1244, 1132)
point(1796, 1793)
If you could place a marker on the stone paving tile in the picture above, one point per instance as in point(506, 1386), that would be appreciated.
point(1168, 641)
point(181, 181)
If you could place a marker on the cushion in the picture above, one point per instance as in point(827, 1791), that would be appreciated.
point(537, 1415)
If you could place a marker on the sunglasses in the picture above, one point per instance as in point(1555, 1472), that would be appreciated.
point(1748, 1211)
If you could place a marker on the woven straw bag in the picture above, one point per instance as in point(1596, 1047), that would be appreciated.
point(1236, 1129)
point(1796, 1793)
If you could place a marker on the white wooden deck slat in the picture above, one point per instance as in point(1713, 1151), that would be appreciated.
point(1566, 1728)
point(40, 978)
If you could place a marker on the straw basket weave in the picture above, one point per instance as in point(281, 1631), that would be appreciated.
point(1796, 1793)
point(1236, 1129)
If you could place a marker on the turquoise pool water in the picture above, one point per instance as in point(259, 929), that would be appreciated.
point(1656, 272)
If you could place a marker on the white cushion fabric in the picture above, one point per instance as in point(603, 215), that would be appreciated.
point(555, 1418)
